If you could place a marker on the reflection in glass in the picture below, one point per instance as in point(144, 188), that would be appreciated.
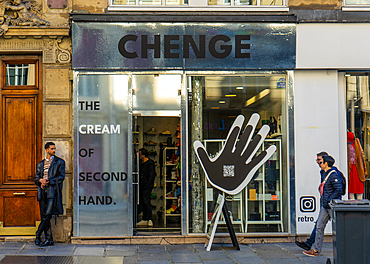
point(102, 203)
point(218, 2)
point(357, 2)
point(156, 92)
point(150, 2)
point(20, 74)
point(271, 2)
point(246, 2)
point(176, 2)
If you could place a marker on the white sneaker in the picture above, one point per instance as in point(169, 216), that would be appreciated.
point(150, 223)
point(143, 223)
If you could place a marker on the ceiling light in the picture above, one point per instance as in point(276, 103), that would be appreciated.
point(239, 88)
point(221, 102)
point(347, 75)
point(215, 107)
point(257, 97)
point(230, 95)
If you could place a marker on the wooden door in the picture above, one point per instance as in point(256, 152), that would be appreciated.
point(21, 143)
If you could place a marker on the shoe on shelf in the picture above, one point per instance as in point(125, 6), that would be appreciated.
point(166, 132)
point(303, 245)
point(170, 194)
point(143, 223)
point(311, 253)
point(150, 223)
point(150, 143)
point(151, 131)
point(177, 211)
point(169, 211)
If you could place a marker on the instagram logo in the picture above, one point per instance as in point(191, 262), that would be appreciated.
point(307, 204)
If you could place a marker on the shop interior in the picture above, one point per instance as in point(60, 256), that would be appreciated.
point(160, 135)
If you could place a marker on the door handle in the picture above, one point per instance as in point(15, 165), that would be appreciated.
point(19, 193)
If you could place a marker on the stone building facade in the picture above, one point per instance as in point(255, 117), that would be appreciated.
point(41, 34)
point(36, 107)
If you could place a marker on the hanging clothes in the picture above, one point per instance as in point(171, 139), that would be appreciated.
point(356, 165)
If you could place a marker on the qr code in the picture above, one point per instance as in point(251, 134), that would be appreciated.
point(229, 170)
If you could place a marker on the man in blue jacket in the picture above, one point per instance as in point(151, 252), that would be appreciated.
point(332, 190)
point(306, 245)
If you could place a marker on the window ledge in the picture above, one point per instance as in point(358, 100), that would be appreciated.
point(356, 8)
point(200, 9)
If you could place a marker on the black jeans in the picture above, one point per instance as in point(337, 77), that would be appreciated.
point(145, 205)
point(46, 210)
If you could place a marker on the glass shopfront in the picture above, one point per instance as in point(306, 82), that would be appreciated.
point(162, 86)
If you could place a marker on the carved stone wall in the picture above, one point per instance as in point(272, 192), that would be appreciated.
point(51, 48)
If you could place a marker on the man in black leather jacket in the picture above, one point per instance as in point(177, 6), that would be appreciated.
point(50, 173)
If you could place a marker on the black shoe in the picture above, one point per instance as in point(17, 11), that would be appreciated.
point(37, 241)
point(47, 242)
point(303, 245)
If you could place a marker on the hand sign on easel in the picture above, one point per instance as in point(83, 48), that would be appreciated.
point(235, 165)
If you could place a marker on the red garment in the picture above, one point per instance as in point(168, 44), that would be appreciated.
point(354, 184)
point(356, 165)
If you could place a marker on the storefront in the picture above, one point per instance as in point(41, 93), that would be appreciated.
point(161, 86)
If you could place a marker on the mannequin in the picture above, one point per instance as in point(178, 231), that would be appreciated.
point(356, 167)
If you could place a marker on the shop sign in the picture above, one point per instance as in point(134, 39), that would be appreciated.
point(190, 46)
point(281, 83)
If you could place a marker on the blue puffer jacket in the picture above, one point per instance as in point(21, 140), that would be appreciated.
point(332, 187)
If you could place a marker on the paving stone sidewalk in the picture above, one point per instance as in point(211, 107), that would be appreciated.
point(63, 253)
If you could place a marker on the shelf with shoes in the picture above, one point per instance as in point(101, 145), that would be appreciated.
point(172, 184)
point(263, 194)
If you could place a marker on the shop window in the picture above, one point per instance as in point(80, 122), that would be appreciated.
point(215, 102)
point(20, 74)
point(358, 116)
point(200, 2)
point(357, 2)
point(150, 2)
point(247, 2)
